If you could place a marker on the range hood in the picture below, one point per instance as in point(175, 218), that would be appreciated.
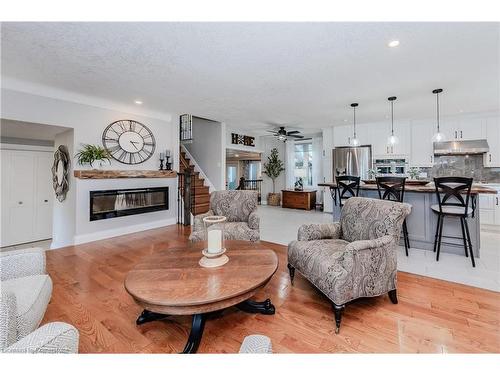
point(479, 146)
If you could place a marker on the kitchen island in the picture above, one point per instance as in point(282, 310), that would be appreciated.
point(422, 221)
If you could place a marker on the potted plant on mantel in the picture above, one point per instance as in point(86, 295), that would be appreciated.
point(89, 154)
point(273, 169)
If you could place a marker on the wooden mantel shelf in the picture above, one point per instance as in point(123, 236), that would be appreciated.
point(102, 174)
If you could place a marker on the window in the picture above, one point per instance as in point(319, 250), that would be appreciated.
point(303, 163)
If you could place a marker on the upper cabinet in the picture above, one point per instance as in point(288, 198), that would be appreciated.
point(422, 149)
point(463, 129)
point(380, 132)
point(342, 135)
point(492, 158)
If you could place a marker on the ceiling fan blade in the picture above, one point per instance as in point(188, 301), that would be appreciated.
point(296, 136)
point(271, 131)
point(293, 132)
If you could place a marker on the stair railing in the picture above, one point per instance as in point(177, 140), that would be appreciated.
point(251, 185)
point(185, 196)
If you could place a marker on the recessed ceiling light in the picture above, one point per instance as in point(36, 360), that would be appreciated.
point(139, 102)
point(393, 43)
point(345, 120)
point(236, 155)
point(461, 110)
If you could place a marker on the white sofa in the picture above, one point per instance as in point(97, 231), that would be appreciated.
point(25, 293)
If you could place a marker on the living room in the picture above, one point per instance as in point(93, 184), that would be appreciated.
point(257, 187)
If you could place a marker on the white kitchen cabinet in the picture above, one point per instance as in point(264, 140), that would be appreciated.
point(463, 129)
point(342, 135)
point(26, 196)
point(489, 207)
point(422, 148)
point(379, 134)
point(492, 158)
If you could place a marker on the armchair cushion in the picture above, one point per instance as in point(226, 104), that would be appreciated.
point(20, 263)
point(236, 205)
point(32, 295)
point(52, 338)
point(198, 225)
point(367, 219)
point(309, 232)
point(254, 220)
point(256, 344)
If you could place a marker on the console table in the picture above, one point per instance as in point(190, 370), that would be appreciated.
point(305, 199)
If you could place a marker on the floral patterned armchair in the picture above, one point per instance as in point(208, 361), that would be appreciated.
point(354, 258)
point(240, 209)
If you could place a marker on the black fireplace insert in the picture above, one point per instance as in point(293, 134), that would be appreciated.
point(106, 204)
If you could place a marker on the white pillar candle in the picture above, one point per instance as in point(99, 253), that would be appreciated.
point(214, 241)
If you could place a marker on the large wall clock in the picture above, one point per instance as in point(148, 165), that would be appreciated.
point(129, 141)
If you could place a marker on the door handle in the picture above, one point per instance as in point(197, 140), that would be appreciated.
point(461, 135)
point(456, 136)
point(45, 200)
point(497, 201)
point(20, 202)
point(490, 157)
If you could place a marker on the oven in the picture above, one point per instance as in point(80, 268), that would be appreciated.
point(391, 166)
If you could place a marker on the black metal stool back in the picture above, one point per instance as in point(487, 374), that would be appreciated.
point(347, 186)
point(393, 189)
point(449, 191)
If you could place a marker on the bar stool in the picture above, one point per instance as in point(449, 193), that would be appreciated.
point(393, 189)
point(347, 187)
point(449, 192)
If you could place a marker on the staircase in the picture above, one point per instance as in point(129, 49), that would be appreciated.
point(201, 200)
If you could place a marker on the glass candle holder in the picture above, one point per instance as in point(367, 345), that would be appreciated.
point(214, 233)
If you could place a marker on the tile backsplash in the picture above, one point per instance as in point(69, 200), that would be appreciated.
point(463, 165)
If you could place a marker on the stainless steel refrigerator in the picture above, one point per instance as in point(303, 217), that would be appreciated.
point(352, 161)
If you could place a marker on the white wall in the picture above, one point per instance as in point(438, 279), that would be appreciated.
point(208, 151)
point(88, 122)
point(64, 228)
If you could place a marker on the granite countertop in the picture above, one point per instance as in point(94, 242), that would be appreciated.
point(429, 188)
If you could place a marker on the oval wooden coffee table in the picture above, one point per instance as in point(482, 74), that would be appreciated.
point(171, 282)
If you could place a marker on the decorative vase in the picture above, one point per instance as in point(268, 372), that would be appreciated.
point(274, 199)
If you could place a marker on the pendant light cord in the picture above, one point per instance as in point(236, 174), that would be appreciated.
point(392, 117)
point(354, 108)
point(437, 112)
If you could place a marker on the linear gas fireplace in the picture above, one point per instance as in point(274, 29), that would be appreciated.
point(106, 204)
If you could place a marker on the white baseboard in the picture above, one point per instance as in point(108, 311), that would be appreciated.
point(84, 238)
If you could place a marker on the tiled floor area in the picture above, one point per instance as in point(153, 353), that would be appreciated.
point(280, 225)
point(45, 244)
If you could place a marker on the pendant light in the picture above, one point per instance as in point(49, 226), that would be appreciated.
point(438, 136)
point(392, 139)
point(354, 139)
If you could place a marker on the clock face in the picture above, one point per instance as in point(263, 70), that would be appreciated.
point(129, 141)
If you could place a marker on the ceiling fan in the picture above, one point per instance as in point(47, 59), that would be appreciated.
point(282, 134)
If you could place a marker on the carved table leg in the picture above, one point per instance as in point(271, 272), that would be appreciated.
point(149, 316)
point(266, 307)
point(197, 326)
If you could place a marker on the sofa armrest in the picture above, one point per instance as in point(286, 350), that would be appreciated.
point(8, 319)
point(376, 243)
point(254, 220)
point(52, 338)
point(198, 221)
point(21, 263)
point(310, 232)
point(255, 344)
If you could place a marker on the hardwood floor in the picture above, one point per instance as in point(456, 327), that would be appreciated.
point(432, 316)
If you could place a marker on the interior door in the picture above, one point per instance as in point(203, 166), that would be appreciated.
point(18, 206)
point(43, 196)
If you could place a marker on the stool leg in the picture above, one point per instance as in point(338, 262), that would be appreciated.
point(470, 243)
point(439, 238)
point(405, 237)
point(464, 236)
point(437, 233)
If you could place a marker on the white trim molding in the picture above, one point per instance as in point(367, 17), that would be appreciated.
point(197, 168)
point(84, 238)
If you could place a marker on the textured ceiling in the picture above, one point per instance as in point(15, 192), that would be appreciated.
point(248, 74)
